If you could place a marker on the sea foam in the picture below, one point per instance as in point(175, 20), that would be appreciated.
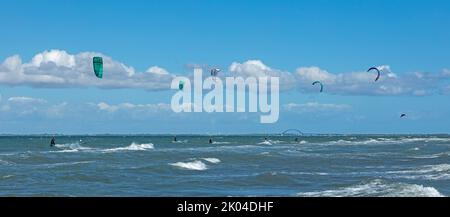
point(194, 165)
point(377, 188)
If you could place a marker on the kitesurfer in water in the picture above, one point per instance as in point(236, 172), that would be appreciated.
point(210, 141)
point(52, 142)
point(174, 138)
point(296, 139)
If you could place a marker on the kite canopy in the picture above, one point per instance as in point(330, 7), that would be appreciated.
point(402, 115)
point(215, 71)
point(378, 72)
point(181, 85)
point(318, 82)
point(98, 66)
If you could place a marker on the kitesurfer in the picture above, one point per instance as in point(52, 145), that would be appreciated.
point(52, 142)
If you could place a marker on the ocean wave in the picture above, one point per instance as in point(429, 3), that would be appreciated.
point(53, 165)
point(265, 143)
point(427, 172)
point(431, 156)
point(425, 139)
point(75, 147)
point(6, 163)
point(72, 146)
point(220, 143)
point(65, 151)
point(377, 188)
point(386, 141)
point(194, 165)
point(132, 147)
point(212, 160)
point(7, 176)
point(180, 141)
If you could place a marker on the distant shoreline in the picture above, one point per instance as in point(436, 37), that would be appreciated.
point(231, 134)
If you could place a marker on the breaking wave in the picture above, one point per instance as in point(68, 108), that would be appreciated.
point(75, 147)
point(385, 141)
point(265, 143)
point(427, 172)
point(220, 143)
point(194, 165)
point(212, 160)
point(377, 188)
point(132, 147)
point(72, 146)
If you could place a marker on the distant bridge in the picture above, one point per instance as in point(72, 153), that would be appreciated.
point(294, 132)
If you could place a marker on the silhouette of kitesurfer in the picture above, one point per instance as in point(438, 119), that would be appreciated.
point(52, 142)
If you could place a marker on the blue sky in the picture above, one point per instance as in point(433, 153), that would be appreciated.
point(300, 40)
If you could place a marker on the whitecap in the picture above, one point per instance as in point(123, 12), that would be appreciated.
point(212, 160)
point(64, 164)
point(72, 146)
point(5, 162)
point(427, 172)
point(378, 188)
point(132, 147)
point(7, 176)
point(220, 143)
point(265, 143)
point(194, 165)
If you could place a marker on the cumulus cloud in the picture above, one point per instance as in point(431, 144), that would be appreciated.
point(57, 68)
point(157, 70)
point(256, 68)
point(362, 83)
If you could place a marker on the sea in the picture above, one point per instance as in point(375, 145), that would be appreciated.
point(232, 165)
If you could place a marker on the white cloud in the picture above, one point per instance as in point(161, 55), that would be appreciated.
point(26, 100)
point(60, 69)
point(256, 68)
point(362, 83)
point(157, 70)
point(316, 107)
point(133, 107)
point(57, 68)
point(59, 58)
point(21, 106)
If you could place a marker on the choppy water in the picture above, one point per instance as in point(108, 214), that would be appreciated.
point(374, 165)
